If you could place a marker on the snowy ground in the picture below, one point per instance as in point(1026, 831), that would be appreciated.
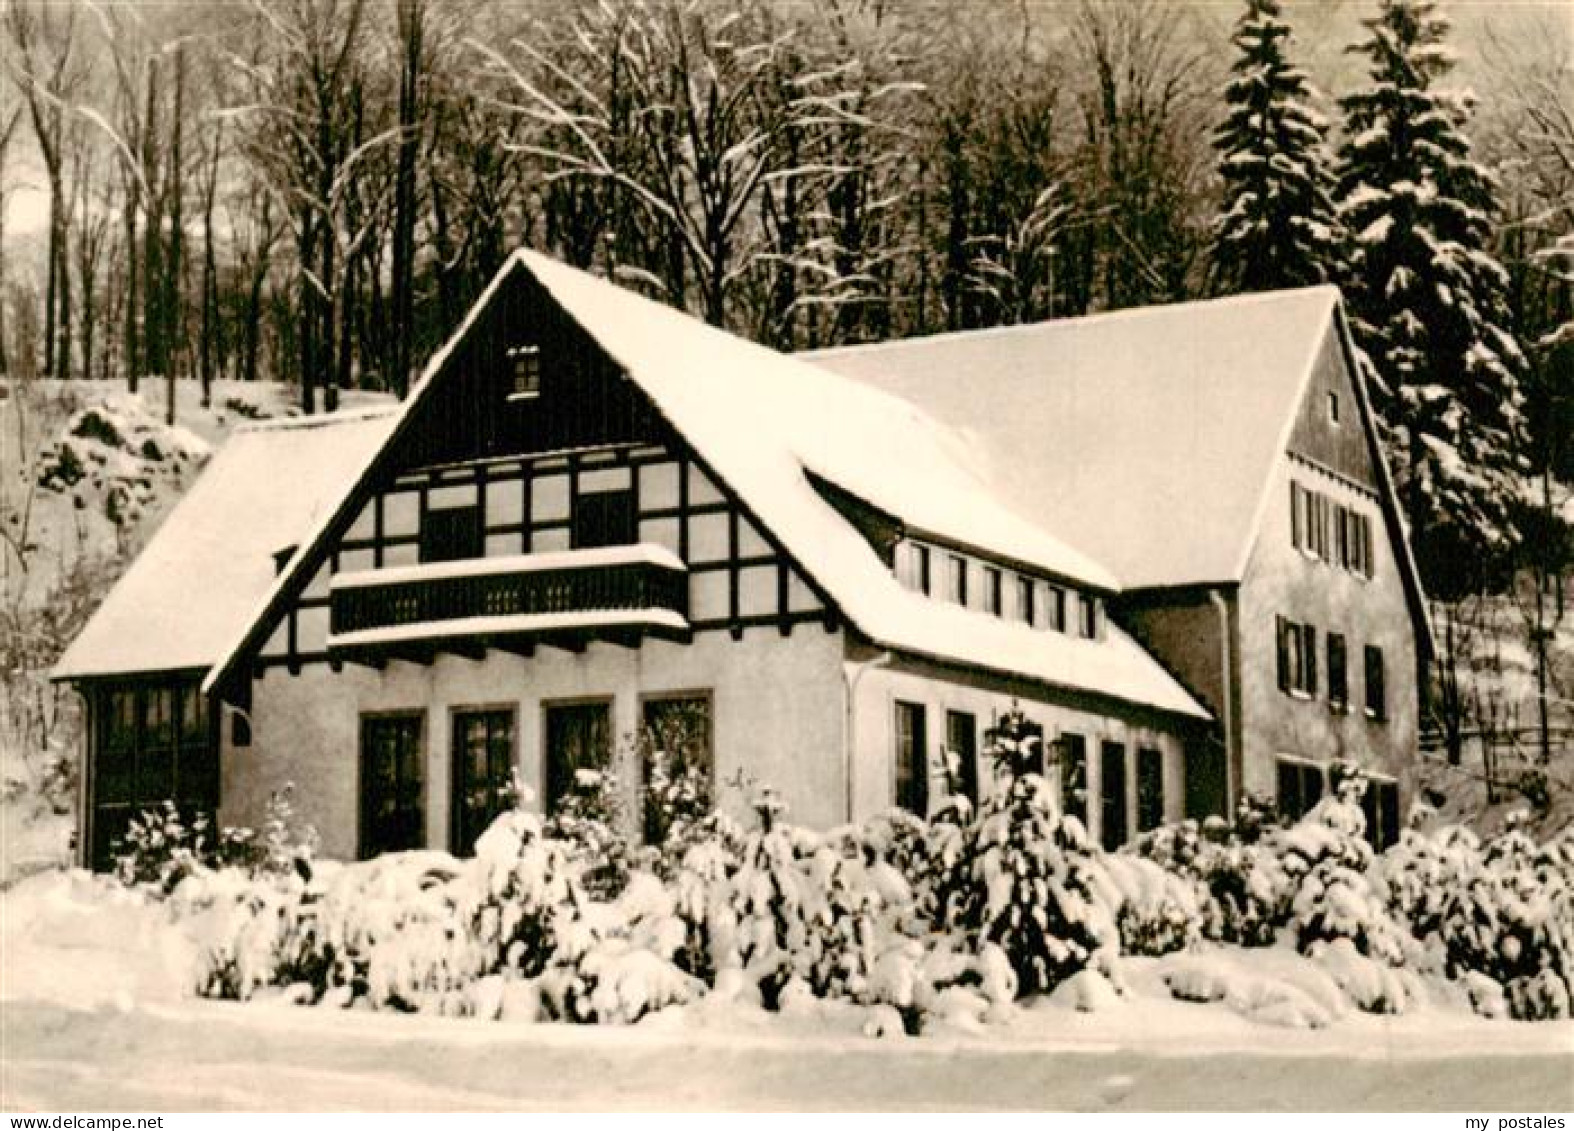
point(93, 1016)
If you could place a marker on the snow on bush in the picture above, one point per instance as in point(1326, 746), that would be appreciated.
point(614, 961)
point(518, 894)
point(1034, 886)
point(1510, 918)
point(1245, 892)
point(586, 821)
point(1158, 911)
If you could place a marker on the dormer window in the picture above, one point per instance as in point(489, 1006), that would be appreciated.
point(1088, 616)
point(912, 566)
point(525, 363)
point(956, 582)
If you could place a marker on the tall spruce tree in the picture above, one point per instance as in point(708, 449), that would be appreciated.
point(1278, 226)
point(1427, 300)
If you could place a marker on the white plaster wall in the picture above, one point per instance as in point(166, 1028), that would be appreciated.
point(777, 702)
point(1283, 581)
point(879, 688)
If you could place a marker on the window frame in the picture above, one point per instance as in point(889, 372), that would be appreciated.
point(1027, 600)
point(607, 702)
point(1150, 758)
point(529, 357)
point(994, 591)
point(1375, 705)
point(457, 808)
point(649, 699)
point(1295, 648)
point(967, 759)
point(956, 580)
point(909, 748)
point(423, 744)
point(429, 548)
point(1088, 616)
point(1300, 766)
point(1338, 660)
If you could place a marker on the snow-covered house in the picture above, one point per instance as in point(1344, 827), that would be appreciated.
point(594, 514)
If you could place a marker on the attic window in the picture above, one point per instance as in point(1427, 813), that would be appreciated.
point(1333, 408)
point(525, 363)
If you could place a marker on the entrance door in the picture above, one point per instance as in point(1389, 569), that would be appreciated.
point(578, 737)
point(393, 808)
point(483, 761)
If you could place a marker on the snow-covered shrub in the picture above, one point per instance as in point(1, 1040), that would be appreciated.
point(518, 892)
point(587, 822)
point(1512, 920)
point(242, 928)
point(1034, 886)
point(1244, 890)
point(701, 891)
point(387, 931)
point(1157, 911)
point(1327, 855)
point(163, 846)
point(614, 961)
point(1424, 871)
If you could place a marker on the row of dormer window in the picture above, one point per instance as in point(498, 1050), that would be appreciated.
point(1330, 531)
point(1297, 663)
point(994, 590)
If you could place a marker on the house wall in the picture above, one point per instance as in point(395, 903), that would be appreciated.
point(1281, 580)
point(879, 686)
point(776, 701)
point(1184, 629)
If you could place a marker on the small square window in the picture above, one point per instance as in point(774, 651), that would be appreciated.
point(1333, 408)
point(525, 361)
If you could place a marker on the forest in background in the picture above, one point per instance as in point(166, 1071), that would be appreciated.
point(314, 191)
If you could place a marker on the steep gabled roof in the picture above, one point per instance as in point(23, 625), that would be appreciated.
point(1145, 436)
point(765, 422)
point(197, 583)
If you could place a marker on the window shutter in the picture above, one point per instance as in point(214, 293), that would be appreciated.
point(1295, 514)
point(1280, 633)
point(1310, 640)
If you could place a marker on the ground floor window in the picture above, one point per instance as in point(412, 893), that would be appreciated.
point(1381, 806)
point(1074, 777)
point(912, 770)
point(1112, 795)
point(676, 743)
point(961, 740)
point(393, 783)
point(1300, 788)
point(1150, 789)
point(578, 737)
point(150, 744)
point(483, 774)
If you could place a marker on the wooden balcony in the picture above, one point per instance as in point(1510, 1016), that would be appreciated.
point(566, 599)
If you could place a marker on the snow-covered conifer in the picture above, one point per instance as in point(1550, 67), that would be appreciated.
point(1278, 226)
point(1427, 297)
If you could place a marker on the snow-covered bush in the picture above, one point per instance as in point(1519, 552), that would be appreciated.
point(518, 893)
point(242, 926)
point(1512, 920)
point(1244, 890)
point(163, 845)
point(1034, 885)
point(1423, 872)
point(1157, 911)
point(1327, 856)
point(614, 961)
point(587, 822)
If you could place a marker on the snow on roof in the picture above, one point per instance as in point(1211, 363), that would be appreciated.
point(762, 419)
point(1146, 436)
point(198, 581)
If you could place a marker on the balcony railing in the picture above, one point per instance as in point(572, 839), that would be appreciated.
point(569, 595)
